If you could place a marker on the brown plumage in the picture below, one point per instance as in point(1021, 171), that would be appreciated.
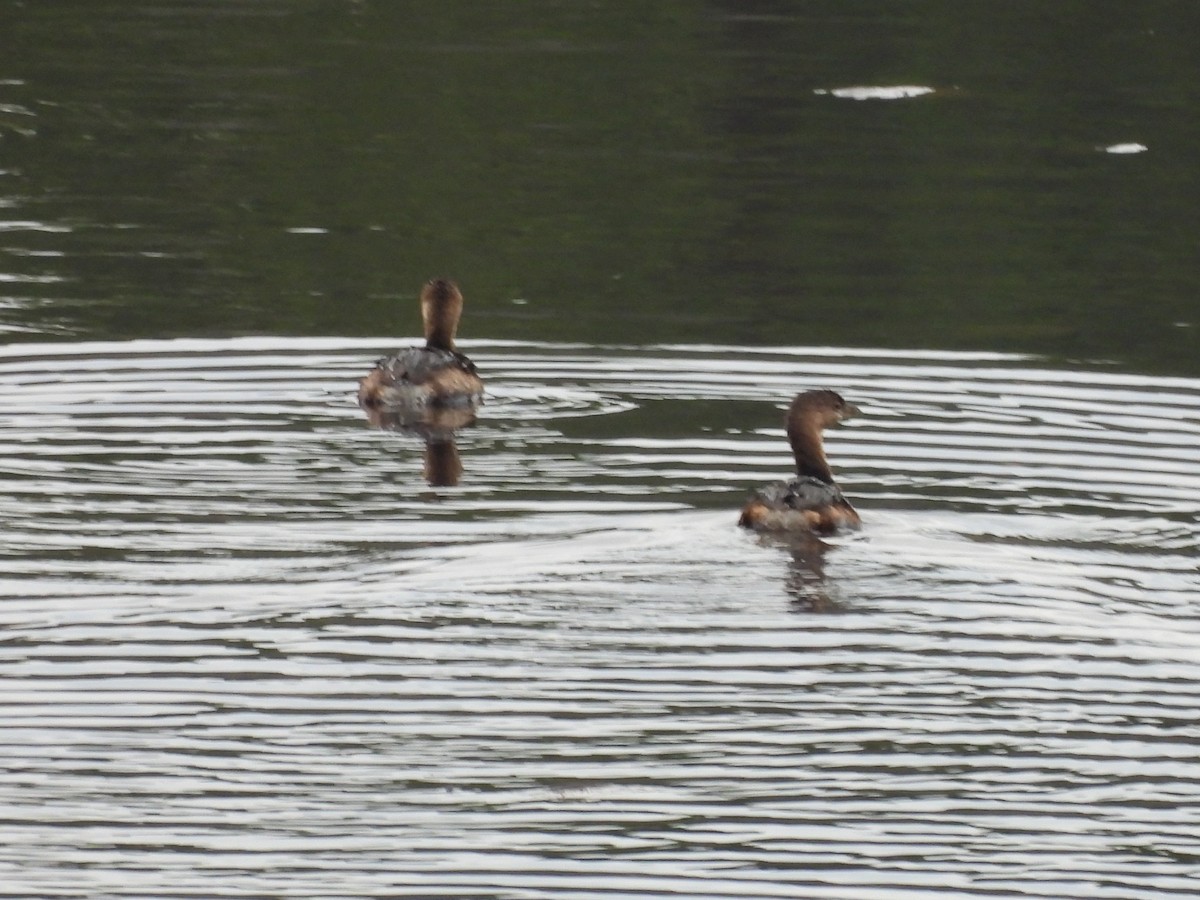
point(811, 501)
point(433, 375)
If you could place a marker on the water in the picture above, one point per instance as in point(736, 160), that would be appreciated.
point(249, 651)
point(700, 173)
point(253, 646)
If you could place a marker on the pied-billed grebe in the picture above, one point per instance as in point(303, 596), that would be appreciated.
point(433, 375)
point(811, 501)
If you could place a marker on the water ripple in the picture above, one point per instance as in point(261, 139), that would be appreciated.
point(247, 644)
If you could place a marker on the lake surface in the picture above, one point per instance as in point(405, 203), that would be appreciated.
point(255, 646)
point(731, 172)
point(248, 648)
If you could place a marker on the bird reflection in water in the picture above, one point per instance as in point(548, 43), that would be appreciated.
point(805, 582)
point(437, 426)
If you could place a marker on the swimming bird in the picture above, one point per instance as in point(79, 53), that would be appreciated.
point(811, 502)
point(435, 375)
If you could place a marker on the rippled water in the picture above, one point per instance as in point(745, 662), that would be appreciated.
point(250, 651)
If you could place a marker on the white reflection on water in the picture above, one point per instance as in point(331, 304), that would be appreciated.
point(877, 92)
point(249, 649)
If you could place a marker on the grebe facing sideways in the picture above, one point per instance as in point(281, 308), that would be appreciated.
point(435, 375)
point(810, 502)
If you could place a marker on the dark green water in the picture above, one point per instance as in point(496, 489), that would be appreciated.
point(607, 172)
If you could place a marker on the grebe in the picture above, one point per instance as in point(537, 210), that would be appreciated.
point(810, 502)
point(433, 375)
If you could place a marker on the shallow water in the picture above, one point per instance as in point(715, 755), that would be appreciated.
point(250, 651)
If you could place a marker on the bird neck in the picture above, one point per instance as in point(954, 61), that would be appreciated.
point(809, 450)
point(441, 324)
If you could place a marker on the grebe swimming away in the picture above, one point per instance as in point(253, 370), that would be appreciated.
point(435, 375)
point(811, 501)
